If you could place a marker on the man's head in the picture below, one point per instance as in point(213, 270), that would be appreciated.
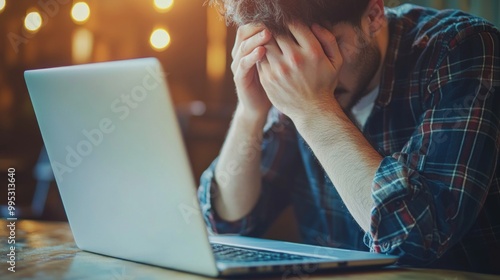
point(276, 14)
point(356, 25)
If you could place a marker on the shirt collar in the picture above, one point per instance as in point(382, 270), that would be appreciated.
point(387, 79)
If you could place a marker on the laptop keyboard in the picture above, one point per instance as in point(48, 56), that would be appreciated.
point(236, 254)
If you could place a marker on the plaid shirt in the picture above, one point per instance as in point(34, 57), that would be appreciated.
point(436, 121)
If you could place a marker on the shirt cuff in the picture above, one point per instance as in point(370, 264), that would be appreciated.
point(207, 190)
point(394, 184)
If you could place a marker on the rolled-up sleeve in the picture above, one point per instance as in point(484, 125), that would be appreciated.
point(428, 196)
point(207, 187)
point(279, 162)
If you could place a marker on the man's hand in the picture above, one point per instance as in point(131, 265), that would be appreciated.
point(300, 79)
point(301, 75)
point(237, 172)
point(247, 51)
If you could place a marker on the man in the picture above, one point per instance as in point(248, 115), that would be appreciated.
point(381, 127)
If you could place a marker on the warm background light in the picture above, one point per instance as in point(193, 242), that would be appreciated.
point(82, 45)
point(163, 5)
point(33, 21)
point(160, 39)
point(216, 46)
point(2, 5)
point(80, 12)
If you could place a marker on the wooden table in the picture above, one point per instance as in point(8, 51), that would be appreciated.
point(46, 250)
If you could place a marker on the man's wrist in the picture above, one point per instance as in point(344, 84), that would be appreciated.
point(250, 119)
point(327, 109)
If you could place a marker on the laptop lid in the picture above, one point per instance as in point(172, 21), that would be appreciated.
point(120, 164)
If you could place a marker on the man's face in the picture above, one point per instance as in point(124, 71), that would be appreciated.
point(362, 59)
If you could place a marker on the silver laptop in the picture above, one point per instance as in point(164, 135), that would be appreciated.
point(117, 153)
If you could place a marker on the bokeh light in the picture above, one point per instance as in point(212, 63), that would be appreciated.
point(82, 45)
point(160, 39)
point(80, 12)
point(163, 5)
point(33, 21)
point(2, 5)
point(216, 46)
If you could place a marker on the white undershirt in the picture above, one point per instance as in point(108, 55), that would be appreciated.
point(364, 107)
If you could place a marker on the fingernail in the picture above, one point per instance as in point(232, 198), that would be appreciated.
point(263, 33)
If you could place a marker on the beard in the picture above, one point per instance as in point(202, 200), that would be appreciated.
point(366, 65)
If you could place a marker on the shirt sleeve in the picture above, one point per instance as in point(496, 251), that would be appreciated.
point(280, 159)
point(428, 196)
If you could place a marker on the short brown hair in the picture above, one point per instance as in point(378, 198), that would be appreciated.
point(276, 14)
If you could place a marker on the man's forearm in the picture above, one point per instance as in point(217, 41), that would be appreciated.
point(238, 170)
point(347, 157)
